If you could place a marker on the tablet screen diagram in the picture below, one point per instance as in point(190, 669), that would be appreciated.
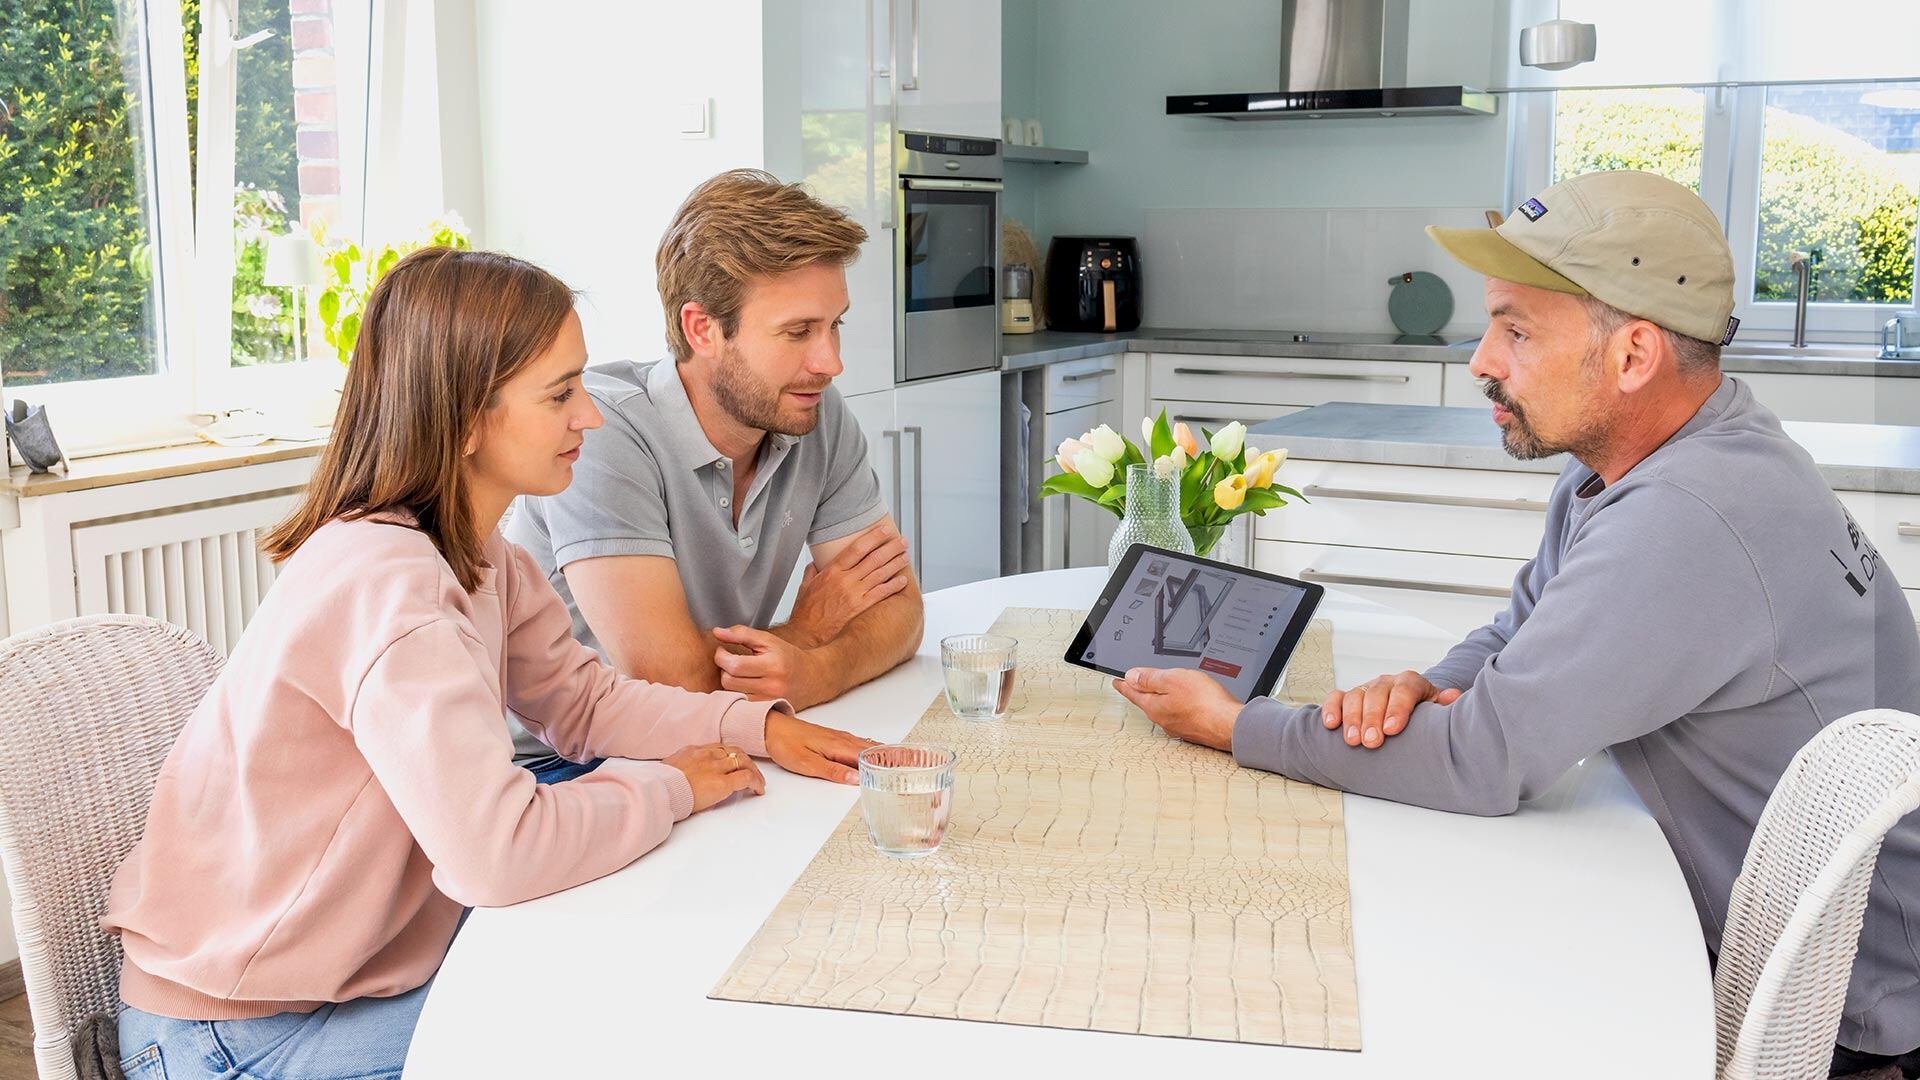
point(1175, 613)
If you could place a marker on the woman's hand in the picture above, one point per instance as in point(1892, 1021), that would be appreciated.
point(716, 772)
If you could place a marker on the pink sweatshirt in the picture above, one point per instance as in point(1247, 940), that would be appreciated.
point(348, 785)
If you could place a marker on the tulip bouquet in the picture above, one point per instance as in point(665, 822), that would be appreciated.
point(1220, 477)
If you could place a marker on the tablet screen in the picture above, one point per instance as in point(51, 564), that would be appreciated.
point(1166, 610)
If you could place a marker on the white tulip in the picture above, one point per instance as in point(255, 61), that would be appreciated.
point(1227, 441)
point(1165, 467)
point(1093, 468)
point(1180, 458)
point(1106, 442)
point(1146, 434)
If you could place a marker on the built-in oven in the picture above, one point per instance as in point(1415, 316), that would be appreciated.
point(946, 259)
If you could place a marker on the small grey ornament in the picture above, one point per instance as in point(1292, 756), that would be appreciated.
point(33, 437)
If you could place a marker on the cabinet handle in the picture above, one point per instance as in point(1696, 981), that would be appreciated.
point(1336, 376)
point(1083, 376)
point(919, 184)
point(893, 437)
point(1907, 528)
point(913, 81)
point(890, 204)
point(1222, 420)
point(1312, 491)
point(919, 500)
point(1409, 584)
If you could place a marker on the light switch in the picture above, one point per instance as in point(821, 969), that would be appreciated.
point(693, 119)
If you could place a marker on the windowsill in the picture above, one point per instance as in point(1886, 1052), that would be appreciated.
point(134, 466)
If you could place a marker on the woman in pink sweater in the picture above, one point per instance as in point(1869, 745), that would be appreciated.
point(347, 787)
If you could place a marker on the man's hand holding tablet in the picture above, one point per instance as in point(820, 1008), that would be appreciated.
point(1165, 610)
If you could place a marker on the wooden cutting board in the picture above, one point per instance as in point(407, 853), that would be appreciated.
point(1097, 875)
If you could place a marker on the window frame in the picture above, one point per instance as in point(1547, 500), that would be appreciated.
point(1730, 167)
point(191, 215)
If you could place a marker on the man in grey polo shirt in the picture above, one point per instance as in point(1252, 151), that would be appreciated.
point(720, 465)
point(1701, 603)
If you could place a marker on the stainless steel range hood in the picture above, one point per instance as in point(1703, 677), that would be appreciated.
point(1340, 58)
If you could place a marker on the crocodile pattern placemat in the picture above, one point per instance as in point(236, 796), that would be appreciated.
point(1096, 875)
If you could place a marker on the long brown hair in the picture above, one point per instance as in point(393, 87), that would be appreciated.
point(441, 332)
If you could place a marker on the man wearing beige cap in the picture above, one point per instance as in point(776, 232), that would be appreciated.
point(1700, 604)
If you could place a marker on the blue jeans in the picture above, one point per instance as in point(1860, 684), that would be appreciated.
point(363, 1039)
point(554, 769)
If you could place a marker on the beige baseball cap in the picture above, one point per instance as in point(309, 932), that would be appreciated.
point(1637, 241)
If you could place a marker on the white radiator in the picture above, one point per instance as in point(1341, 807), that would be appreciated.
point(198, 567)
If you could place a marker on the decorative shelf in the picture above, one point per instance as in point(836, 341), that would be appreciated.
point(1043, 155)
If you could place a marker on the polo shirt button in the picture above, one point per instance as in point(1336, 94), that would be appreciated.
point(723, 500)
point(746, 541)
point(721, 464)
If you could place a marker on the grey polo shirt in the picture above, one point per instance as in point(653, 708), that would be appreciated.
point(649, 482)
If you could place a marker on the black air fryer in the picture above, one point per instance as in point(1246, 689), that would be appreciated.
point(1093, 283)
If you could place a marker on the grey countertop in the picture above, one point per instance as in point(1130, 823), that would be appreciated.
point(1852, 457)
point(1019, 352)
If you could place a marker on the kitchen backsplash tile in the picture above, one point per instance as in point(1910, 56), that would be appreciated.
point(1270, 269)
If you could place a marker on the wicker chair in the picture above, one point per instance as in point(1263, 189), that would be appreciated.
point(89, 708)
point(1793, 924)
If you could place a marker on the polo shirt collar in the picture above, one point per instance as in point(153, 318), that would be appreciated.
point(690, 442)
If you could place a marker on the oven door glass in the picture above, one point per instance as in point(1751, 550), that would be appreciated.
point(948, 247)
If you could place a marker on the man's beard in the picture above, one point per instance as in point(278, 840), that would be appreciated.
point(753, 403)
point(1522, 441)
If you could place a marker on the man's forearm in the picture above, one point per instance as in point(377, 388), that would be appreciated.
point(874, 643)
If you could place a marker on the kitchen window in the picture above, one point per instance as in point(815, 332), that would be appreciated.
point(152, 147)
point(1832, 169)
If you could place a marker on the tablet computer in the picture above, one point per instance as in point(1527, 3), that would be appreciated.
point(1167, 610)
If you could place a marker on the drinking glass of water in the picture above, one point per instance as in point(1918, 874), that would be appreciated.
point(906, 795)
point(979, 672)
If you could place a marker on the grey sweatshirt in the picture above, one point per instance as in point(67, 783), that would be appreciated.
point(1702, 618)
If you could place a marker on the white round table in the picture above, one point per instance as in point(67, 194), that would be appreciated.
point(1559, 941)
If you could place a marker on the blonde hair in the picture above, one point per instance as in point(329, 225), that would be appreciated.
point(442, 331)
point(738, 228)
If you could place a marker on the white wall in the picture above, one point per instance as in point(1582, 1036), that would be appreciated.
point(1258, 224)
point(582, 164)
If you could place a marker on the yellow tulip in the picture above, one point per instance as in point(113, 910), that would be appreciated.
point(1228, 494)
point(1260, 471)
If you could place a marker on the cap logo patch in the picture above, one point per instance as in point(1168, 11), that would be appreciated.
point(1733, 327)
point(1533, 209)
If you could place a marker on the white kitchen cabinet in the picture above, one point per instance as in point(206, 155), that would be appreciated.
point(1480, 512)
point(1076, 531)
point(829, 125)
point(1459, 388)
point(947, 65)
point(935, 447)
point(1441, 544)
point(875, 414)
point(1291, 381)
point(1847, 399)
point(1458, 593)
point(1080, 396)
point(1214, 415)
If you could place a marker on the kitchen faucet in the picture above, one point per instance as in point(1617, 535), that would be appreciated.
point(1802, 264)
